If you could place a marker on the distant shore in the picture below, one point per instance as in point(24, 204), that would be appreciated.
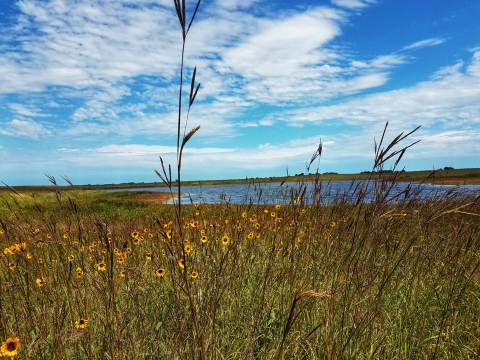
point(439, 177)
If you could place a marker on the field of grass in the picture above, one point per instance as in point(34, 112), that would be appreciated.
point(95, 275)
point(120, 275)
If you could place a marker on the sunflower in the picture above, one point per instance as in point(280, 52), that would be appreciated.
point(40, 281)
point(21, 247)
point(123, 273)
point(160, 272)
point(71, 258)
point(244, 215)
point(277, 207)
point(188, 249)
point(12, 265)
point(65, 235)
point(204, 239)
point(225, 240)
point(79, 273)
point(101, 266)
point(181, 263)
point(10, 347)
point(149, 256)
point(2, 231)
point(194, 274)
point(135, 233)
point(81, 323)
point(251, 235)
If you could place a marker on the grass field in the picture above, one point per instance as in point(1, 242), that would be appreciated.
point(121, 275)
point(95, 275)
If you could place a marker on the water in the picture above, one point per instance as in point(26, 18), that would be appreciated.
point(328, 192)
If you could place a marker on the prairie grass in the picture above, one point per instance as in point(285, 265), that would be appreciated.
point(367, 280)
point(369, 275)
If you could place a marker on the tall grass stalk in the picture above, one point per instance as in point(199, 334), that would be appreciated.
point(180, 7)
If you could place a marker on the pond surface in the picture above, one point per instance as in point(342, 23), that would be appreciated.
point(325, 193)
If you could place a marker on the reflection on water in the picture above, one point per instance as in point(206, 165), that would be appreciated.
point(320, 193)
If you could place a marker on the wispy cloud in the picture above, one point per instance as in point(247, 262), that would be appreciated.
point(99, 77)
point(24, 128)
point(353, 4)
point(75, 52)
point(27, 110)
point(424, 43)
point(449, 97)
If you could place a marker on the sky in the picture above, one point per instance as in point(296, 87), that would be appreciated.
point(89, 88)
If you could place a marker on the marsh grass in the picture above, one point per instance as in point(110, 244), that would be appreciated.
point(371, 274)
point(394, 280)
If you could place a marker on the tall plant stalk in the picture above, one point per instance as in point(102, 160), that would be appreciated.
point(180, 8)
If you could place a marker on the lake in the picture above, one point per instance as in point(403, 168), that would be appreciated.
point(323, 193)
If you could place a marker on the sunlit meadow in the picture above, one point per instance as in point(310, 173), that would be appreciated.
point(369, 274)
point(99, 275)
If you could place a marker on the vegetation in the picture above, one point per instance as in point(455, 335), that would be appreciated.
point(111, 275)
point(99, 276)
point(441, 176)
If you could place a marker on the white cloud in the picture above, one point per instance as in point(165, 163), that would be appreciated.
point(115, 67)
point(353, 4)
point(24, 128)
point(78, 44)
point(74, 51)
point(235, 4)
point(27, 110)
point(424, 43)
point(451, 96)
point(136, 155)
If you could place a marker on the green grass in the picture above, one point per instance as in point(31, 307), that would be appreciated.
point(297, 280)
point(400, 281)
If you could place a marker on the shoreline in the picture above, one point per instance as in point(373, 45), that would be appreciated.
point(441, 177)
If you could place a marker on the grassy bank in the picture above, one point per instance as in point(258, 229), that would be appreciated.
point(355, 281)
point(447, 177)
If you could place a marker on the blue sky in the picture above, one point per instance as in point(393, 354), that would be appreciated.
point(89, 88)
